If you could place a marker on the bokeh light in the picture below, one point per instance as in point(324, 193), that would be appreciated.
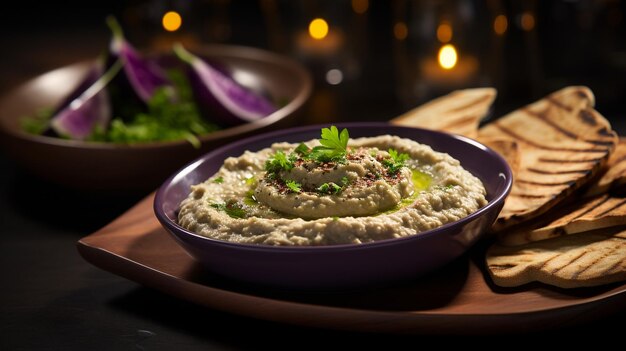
point(444, 32)
point(400, 31)
point(527, 21)
point(318, 28)
point(172, 21)
point(447, 56)
point(500, 24)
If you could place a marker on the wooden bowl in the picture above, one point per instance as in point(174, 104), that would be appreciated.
point(101, 166)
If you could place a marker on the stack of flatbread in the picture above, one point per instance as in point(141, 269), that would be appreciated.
point(564, 222)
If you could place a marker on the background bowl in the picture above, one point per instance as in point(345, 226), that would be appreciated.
point(107, 166)
point(338, 266)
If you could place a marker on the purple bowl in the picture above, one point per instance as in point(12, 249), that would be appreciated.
point(338, 266)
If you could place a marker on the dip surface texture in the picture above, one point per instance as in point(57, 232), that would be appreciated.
point(383, 187)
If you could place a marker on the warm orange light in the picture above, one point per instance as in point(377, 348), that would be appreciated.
point(172, 21)
point(318, 28)
point(444, 32)
point(360, 6)
point(447, 56)
point(500, 24)
point(527, 21)
point(400, 31)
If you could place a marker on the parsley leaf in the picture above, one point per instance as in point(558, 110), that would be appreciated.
point(251, 181)
point(345, 181)
point(232, 208)
point(303, 150)
point(329, 188)
point(332, 188)
point(293, 186)
point(333, 140)
point(218, 180)
point(395, 161)
point(280, 162)
point(334, 145)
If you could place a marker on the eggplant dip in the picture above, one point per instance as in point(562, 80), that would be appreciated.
point(332, 191)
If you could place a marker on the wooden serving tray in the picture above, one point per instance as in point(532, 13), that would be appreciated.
point(457, 299)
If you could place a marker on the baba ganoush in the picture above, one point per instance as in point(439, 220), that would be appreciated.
point(332, 191)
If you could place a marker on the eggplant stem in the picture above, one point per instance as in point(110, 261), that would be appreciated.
point(115, 27)
point(103, 81)
point(182, 53)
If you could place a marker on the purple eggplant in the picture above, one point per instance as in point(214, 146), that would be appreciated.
point(88, 111)
point(219, 96)
point(144, 75)
point(96, 70)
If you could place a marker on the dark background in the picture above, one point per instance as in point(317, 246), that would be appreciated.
point(51, 298)
point(573, 42)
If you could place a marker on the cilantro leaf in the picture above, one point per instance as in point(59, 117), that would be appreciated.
point(218, 180)
point(293, 186)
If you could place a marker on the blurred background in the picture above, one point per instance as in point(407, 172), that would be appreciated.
point(370, 59)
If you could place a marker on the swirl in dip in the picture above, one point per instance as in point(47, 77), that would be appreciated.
point(336, 192)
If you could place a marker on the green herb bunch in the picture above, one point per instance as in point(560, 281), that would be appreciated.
point(333, 148)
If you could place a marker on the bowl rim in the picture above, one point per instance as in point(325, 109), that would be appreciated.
point(176, 229)
point(243, 52)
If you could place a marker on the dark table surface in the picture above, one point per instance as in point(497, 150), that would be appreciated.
point(52, 299)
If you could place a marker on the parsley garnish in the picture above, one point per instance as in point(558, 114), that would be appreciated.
point(332, 188)
point(293, 186)
point(251, 181)
point(344, 181)
point(334, 146)
point(218, 180)
point(280, 162)
point(395, 161)
point(329, 188)
point(232, 208)
point(162, 120)
point(303, 150)
point(39, 122)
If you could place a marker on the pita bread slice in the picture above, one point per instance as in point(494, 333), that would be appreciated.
point(614, 179)
point(507, 148)
point(572, 261)
point(600, 212)
point(563, 143)
point(459, 112)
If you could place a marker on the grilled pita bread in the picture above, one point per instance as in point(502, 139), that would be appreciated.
point(614, 179)
point(508, 149)
point(459, 112)
point(563, 142)
point(572, 261)
point(600, 212)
